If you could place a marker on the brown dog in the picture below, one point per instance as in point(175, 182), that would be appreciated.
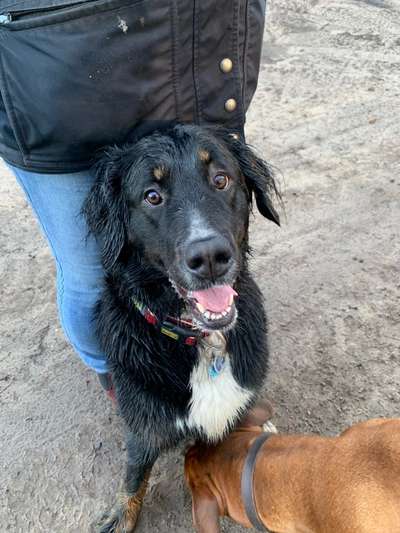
point(302, 484)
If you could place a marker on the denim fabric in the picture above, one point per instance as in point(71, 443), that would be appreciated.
point(57, 200)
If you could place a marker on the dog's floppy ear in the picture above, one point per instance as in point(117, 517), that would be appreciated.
point(105, 209)
point(205, 511)
point(258, 175)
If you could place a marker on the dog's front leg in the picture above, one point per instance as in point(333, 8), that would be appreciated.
point(123, 517)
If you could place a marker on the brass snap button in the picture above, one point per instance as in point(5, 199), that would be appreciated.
point(226, 65)
point(230, 105)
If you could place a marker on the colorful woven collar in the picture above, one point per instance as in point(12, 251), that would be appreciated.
point(174, 328)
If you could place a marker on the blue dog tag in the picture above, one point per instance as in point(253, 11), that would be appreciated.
point(216, 366)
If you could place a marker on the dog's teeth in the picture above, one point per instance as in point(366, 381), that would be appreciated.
point(230, 299)
point(229, 309)
point(200, 307)
point(214, 316)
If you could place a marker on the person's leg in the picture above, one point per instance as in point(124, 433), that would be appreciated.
point(57, 201)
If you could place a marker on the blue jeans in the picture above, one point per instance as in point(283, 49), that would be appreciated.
point(57, 201)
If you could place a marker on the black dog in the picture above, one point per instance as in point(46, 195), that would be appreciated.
point(181, 320)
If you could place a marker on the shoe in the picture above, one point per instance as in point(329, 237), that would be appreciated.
point(107, 384)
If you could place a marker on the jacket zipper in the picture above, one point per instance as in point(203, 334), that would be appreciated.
point(11, 16)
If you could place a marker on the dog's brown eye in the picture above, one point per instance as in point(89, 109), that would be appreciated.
point(220, 181)
point(153, 197)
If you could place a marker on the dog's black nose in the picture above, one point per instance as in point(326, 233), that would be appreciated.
point(209, 258)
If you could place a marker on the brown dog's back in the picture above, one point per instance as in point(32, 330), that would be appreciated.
point(305, 484)
point(344, 484)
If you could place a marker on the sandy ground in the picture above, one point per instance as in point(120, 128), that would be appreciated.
point(327, 116)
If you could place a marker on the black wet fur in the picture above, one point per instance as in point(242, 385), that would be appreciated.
point(141, 249)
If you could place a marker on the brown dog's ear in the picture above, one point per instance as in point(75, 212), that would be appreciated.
point(205, 510)
point(257, 173)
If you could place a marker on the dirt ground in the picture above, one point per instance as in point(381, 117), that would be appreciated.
point(327, 116)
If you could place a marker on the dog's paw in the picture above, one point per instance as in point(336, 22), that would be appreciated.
point(269, 427)
point(108, 523)
point(118, 521)
point(124, 516)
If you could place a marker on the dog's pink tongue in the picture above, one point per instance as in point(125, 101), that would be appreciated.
point(216, 299)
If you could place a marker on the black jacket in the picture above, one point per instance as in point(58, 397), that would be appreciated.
point(77, 75)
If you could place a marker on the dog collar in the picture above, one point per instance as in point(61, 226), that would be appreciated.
point(247, 487)
point(174, 328)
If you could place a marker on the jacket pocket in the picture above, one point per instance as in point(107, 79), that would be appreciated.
point(80, 75)
point(27, 14)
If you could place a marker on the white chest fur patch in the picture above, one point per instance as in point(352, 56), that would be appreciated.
point(215, 402)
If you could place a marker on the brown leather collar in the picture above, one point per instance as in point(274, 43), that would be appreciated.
point(247, 482)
